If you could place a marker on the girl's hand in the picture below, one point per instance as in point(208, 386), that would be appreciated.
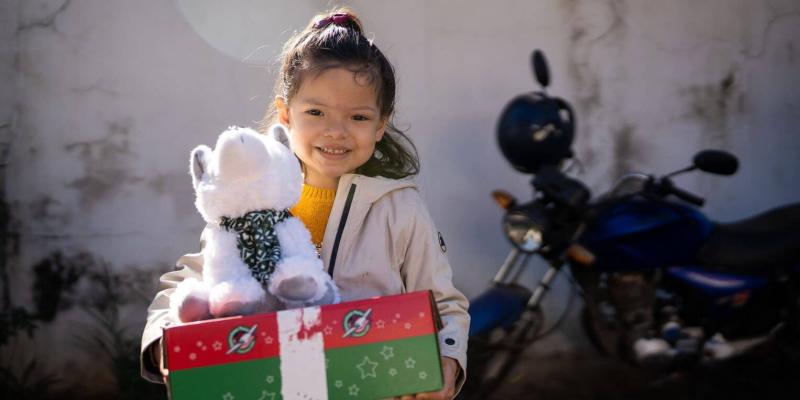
point(157, 356)
point(450, 371)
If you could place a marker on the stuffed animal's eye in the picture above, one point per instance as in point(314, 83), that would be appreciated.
point(314, 112)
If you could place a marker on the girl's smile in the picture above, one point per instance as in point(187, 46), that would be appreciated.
point(334, 123)
point(333, 152)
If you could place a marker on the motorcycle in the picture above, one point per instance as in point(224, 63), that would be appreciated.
point(664, 286)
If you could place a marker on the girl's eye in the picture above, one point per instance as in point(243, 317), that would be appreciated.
point(361, 118)
point(314, 112)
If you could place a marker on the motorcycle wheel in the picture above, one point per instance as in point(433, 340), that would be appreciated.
point(605, 340)
point(491, 357)
point(478, 353)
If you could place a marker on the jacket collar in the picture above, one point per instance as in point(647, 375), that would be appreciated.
point(370, 189)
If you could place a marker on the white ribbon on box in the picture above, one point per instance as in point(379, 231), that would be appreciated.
point(303, 373)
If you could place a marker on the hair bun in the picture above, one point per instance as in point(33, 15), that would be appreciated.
point(343, 18)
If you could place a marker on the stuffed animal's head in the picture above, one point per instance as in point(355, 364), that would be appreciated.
point(246, 171)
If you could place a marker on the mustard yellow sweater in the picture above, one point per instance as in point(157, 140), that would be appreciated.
point(313, 209)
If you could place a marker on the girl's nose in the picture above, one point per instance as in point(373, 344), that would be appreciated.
point(336, 129)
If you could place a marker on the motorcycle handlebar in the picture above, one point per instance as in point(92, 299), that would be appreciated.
point(687, 197)
point(664, 187)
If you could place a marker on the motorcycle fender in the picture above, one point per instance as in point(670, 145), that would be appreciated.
point(500, 305)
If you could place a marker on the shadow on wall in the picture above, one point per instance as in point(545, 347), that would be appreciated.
point(110, 340)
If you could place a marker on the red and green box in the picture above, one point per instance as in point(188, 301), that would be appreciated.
point(365, 349)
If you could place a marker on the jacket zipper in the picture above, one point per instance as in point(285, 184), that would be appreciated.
point(339, 231)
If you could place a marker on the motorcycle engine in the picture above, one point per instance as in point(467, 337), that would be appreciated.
point(628, 316)
point(632, 296)
point(619, 309)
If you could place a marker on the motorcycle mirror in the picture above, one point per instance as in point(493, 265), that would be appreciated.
point(540, 69)
point(716, 162)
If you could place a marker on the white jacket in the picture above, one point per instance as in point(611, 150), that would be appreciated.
point(379, 240)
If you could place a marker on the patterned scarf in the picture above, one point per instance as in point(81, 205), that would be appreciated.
point(257, 240)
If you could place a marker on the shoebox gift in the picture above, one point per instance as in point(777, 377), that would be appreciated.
point(364, 349)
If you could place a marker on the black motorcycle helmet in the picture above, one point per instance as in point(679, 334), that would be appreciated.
point(535, 129)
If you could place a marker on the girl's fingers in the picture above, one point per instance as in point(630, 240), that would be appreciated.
point(432, 396)
point(160, 360)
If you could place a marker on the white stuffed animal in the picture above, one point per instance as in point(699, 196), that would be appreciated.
point(243, 189)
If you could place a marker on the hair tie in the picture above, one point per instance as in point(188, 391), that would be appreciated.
point(337, 19)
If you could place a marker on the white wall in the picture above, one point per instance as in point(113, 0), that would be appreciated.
point(106, 98)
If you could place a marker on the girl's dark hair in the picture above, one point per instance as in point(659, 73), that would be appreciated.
point(341, 43)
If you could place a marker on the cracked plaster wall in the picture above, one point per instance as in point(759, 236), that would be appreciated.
point(106, 99)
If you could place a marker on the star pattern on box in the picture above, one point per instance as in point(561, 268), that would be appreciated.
point(397, 316)
point(380, 324)
point(176, 349)
point(270, 379)
point(327, 330)
point(192, 356)
point(422, 315)
point(392, 371)
point(338, 384)
point(217, 345)
point(410, 362)
point(407, 325)
point(367, 368)
point(228, 396)
point(387, 352)
point(265, 395)
point(199, 344)
point(268, 340)
point(423, 375)
point(353, 390)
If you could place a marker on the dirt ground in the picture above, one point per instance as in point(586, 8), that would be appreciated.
point(762, 375)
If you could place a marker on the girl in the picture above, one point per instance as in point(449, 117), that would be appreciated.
point(336, 94)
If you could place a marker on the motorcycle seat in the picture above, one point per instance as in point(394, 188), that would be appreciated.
point(755, 245)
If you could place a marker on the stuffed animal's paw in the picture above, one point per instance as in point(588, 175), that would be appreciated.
point(238, 308)
point(297, 288)
point(240, 297)
point(301, 282)
point(331, 295)
point(193, 309)
point(189, 302)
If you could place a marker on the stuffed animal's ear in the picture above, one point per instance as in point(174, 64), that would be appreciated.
point(198, 164)
point(279, 133)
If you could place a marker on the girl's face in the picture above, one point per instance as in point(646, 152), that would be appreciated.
point(334, 123)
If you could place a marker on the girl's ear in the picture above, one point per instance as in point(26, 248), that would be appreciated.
point(198, 164)
point(381, 130)
point(283, 110)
